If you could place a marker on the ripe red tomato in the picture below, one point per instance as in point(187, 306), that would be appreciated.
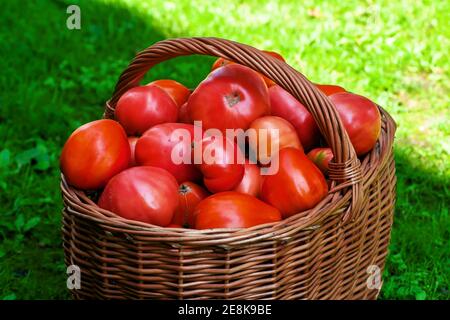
point(329, 89)
point(94, 153)
point(361, 119)
point(251, 181)
point(220, 62)
point(321, 158)
point(230, 97)
point(146, 194)
point(279, 134)
point(189, 195)
point(297, 186)
point(220, 164)
point(284, 105)
point(161, 146)
point(142, 107)
point(183, 114)
point(176, 90)
point(233, 210)
point(132, 141)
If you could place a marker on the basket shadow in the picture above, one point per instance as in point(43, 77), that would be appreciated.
point(420, 233)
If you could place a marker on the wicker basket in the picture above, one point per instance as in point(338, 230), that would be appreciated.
point(323, 253)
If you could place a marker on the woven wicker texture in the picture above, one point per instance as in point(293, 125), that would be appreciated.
point(322, 253)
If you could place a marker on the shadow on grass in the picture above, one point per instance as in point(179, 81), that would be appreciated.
point(417, 265)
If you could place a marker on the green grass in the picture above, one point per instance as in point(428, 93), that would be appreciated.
point(54, 79)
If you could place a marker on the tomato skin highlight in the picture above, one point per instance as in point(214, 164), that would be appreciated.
point(297, 186)
point(176, 90)
point(143, 107)
point(233, 210)
point(231, 97)
point(329, 89)
point(226, 171)
point(132, 141)
point(284, 105)
point(94, 153)
point(146, 194)
point(189, 195)
point(361, 119)
point(251, 181)
point(156, 145)
point(287, 137)
point(321, 158)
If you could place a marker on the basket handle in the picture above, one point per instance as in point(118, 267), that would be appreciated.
point(345, 169)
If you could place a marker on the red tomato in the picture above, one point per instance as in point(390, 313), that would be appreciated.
point(183, 114)
point(361, 119)
point(220, 164)
point(329, 89)
point(161, 143)
point(94, 153)
point(146, 194)
point(321, 158)
point(173, 225)
point(142, 107)
point(176, 90)
point(230, 97)
point(132, 141)
point(233, 210)
point(189, 195)
point(297, 186)
point(284, 105)
point(251, 181)
point(222, 62)
point(279, 134)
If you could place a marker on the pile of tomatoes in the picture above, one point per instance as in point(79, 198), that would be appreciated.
point(130, 162)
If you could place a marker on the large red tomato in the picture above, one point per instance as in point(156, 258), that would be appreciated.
point(230, 97)
point(361, 119)
point(284, 105)
point(169, 146)
point(142, 107)
point(189, 195)
point(272, 134)
point(146, 194)
point(132, 141)
point(321, 158)
point(94, 153)
point(329, 89)
point(221, 163)
point(297, 186)
point(176, 90)
point(233, 210)
point(222, 62)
